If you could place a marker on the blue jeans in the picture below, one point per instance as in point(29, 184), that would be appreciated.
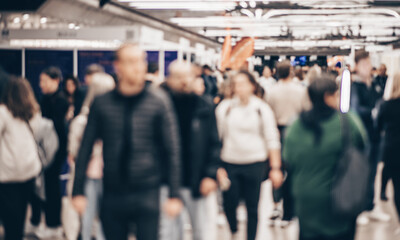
point(172, 229)
point(93, 193)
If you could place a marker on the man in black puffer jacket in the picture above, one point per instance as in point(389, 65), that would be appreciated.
point(136, 124)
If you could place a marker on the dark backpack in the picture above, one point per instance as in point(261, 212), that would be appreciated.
point(350, 185)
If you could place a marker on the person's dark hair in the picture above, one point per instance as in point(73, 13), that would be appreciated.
point(283, 69)
point(72, 78)
point(322, 85)
point(152, 67)
point(93, 68)
point(20, 99)
point(258, 90)
point(206, 67)
point(360, 55)
point(299, 74)
point(53, 72)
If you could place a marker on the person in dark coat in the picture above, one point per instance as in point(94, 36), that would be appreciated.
point(364, 98)
point(389, 121)
point(200, 150)
point(54, 106)
point(210, 82)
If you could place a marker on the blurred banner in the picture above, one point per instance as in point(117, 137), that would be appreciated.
point(226, 53)
point(243, 50)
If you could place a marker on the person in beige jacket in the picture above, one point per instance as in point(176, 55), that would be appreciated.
point(101, 83)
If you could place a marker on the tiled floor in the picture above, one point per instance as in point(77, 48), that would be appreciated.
point(372, 231)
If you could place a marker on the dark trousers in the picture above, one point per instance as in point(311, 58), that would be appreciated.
point(395, 175)
point(385, 179)
point(13, 203)
point(284, 191)
point(349, 235)
point(245, 183)
point(142, 208)
point(392, 166)
point(52, 206)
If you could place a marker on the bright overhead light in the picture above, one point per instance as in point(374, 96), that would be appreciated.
point(77, 28)
point(259, 13)
point(62, 43)
point(345, 90)
point(25, 16)
point(43, 20)
point(71, 25)
point(17, 20)
point(192, 6)
point(243, 4)
point(253, 4)
point(247, 12)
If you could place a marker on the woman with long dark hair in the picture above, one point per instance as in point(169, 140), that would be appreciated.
point(74, 95)
point(312, 149)
point(249, 134)
point(19, 159)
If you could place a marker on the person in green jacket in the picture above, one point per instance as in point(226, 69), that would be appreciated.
point(312, 149)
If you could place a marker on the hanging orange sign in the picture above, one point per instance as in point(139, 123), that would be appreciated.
point(243, 50)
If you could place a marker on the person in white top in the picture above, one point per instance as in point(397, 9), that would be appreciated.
point(249, 134)
point(267, 81)
point(19, 159)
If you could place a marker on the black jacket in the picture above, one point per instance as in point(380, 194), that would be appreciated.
point(205, 146)
point(363, 100)
point(389, 120)
point(55, 106)
point(152, 131)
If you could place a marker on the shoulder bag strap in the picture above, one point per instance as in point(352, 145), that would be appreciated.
point(37, 145)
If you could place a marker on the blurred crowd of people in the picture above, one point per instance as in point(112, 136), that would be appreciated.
point(140, 149)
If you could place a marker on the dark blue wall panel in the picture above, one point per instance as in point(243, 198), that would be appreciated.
point(11, 61)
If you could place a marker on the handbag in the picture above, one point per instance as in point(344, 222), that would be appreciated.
point(46, 140)
point(350, 184)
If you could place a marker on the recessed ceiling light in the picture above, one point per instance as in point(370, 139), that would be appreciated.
point(25, 16)
point(17, 20)
point(253, 4)
point(243, 4)
point(43, 20)
point(71, 25)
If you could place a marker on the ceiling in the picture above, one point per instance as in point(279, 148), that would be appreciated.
point(295, 24)
point(278, 26)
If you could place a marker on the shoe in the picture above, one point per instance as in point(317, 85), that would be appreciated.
point(32, 230)
point(275, 214)
point(221, 220)
point(235, 236)
point(362, 219)
point(52, 233)
point(284, 224)
point(272, 223)
point(379, 215)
